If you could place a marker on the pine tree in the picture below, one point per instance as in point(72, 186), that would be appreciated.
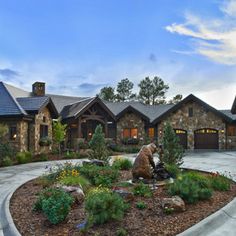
point(98, 145)
point(173, 151)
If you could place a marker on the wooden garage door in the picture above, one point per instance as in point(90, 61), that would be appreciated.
point(206, 139)
point(182, 135)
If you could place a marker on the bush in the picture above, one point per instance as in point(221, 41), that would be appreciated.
point(199, 178)
point(7, 161)
point(173, 151)
point(173, 170)
point(121, 232)
point(42, 157)
point(45, 141)
point(100, 175)
point(6, 151)
point(130, 141)
point(55, 204)
point(23, 157)
point(190, 189)
point(219, 182)
point(141, 205)
point(122, 164)
point(103, 205)
point(142, 190)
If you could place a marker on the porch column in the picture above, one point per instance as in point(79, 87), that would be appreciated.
point(106, 129)
point(79, 128)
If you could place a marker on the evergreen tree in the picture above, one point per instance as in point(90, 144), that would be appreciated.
point(98, 145)
point(176, 99)
point(107, 94)
point(145, 92)
point(173, 151)
point(59, 133)
point(124, 90)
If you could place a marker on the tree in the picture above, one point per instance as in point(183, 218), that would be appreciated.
point(176, 99)
point(159, 90)
point(107, 94)
point(59, 133)
point(145, 92)
point(124, 90)
point(98, 145)
point(173, 151)
point(3, 131)
point(152, 91)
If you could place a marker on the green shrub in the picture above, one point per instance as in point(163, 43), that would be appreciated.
point(76, 180)
point(54, 203)
point(43, 157)
point(70, 155)
point(219, 182)
point(44, 181)
point(122, 164)
point(23, 157)
point(100, 175)
point(173, 170)
point(200, 179)
point(7, 161)
point(6, 150)
point(103, 205)
point(45, 141)
point(121, 232)
point(142, 190)
point(141, 205)
point(190, 189)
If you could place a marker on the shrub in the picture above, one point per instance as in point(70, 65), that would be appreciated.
point(141, 205)
point(173, 151)
point(23, 157)
point(142, 190)
point(45, 141)
point(6, 150)
point(219, 182)
point(44, 181)
point(70, 155)
point(42, 157)
point(189, 189)
point(103, 205)
point(173, 170)
point(121, 232)
point(7, 161)
point(55, 204)
point(100, 175)
point(122, 164)
point(98, 145)
point(199, 178)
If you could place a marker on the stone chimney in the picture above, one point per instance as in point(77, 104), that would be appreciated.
point(38, 89)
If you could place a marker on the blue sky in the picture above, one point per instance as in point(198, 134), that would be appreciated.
point(79, 46)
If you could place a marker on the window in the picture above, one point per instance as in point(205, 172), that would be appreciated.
point(13, 132)
point(44, 119)
point(43, 131)
point(190, 112)
point(151, 133)
point(130, 133)
point(231, 130)
point(180, 131)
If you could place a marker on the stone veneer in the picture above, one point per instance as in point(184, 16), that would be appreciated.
point(201, 119)
point(35, 131)
point(130, 120)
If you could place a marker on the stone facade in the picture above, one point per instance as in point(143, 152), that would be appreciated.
point(129, 121)
point(202, 118)
point(43, 118)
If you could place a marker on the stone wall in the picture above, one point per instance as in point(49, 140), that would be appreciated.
point(35, 131)
point(201, 119)
point(130, 120)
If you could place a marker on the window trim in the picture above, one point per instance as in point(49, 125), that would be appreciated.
point(12, 134)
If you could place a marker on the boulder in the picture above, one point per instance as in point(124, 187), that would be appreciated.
point(175, 202)
point(94, 162)
point(124, 193)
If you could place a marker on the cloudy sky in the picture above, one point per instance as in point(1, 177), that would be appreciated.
point(79, 46)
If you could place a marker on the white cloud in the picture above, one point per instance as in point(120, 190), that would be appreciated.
point(215, 38)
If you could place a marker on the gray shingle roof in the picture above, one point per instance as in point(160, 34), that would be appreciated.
point(8, 104)
point(32, 103)
point(229, 114)
point(151, 111)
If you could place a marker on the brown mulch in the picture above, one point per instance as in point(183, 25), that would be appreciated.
point(148, 222)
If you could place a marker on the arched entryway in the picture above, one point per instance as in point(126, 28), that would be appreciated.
point(182, 135)
point(206, 138)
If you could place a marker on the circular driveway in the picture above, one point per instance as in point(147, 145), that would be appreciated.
point(14, 176)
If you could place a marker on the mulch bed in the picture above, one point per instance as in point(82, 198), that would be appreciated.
point(148, 222)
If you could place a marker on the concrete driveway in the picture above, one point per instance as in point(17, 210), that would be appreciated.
point(12, 177)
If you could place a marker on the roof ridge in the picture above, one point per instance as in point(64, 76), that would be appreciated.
point(14, 100)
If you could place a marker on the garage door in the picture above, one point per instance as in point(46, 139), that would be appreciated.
point(206, 139)
point(182, 135)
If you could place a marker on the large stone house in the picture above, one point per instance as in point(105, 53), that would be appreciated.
point(197, 124)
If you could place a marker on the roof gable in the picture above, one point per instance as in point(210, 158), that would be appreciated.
point(193, 98)
point(233, 109)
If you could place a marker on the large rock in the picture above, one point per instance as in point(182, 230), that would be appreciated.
point(76, 192)
point(175, 202)
point(94, 162)
point(124, 193)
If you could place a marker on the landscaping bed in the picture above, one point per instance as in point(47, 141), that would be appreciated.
point(144, 216)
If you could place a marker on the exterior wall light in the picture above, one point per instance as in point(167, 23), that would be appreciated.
point(222, 131)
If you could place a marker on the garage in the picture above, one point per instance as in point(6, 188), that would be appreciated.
point(182, 135)
point(206, 139)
